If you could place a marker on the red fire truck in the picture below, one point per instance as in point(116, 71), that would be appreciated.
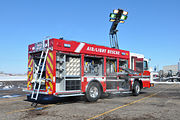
point(62, 68)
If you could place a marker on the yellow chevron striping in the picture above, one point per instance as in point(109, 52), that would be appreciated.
point(29, 74)
point(30, 63)
point(51, 55)
point(46, 73)
point(31, 77)
point(46, 86)
point(49, 61)
point(28, 84)
point(48, 70)
point(51, 86)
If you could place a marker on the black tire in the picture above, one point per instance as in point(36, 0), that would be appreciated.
point(136, 88)
point(93, 92)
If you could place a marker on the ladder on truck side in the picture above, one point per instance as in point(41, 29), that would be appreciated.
point(38, 76)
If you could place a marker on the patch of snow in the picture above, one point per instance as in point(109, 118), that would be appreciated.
point(8, 87)
point(10, 96)
point(13, 78)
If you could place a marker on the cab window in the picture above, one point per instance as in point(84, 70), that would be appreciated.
point(145, 65)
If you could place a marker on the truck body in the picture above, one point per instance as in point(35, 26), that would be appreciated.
point(80, 69)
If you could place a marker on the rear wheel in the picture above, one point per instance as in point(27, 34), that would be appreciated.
point(136, 88)
point(93, 92)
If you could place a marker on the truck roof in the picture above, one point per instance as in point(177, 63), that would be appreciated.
point(79, 48)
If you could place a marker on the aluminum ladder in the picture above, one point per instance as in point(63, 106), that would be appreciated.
point(38, 76)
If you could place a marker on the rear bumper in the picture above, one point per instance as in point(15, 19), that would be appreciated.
point(42, 98)
point(30, 91)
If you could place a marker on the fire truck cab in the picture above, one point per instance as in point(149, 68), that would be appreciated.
point(62, 68)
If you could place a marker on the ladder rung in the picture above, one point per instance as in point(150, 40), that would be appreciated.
point(38, 73)
point(37, 57)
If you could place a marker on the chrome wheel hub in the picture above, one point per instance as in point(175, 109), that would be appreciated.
point(93, 92)
point(137, 88)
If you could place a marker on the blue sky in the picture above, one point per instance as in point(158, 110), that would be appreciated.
point(152, 27)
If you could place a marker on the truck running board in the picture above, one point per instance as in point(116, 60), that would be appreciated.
point(71, 95)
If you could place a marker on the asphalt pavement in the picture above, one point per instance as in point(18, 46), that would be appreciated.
point(160, 102)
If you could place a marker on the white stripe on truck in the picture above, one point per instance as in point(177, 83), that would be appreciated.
point(79, 48)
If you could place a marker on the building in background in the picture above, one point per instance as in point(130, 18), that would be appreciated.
point(174, 69)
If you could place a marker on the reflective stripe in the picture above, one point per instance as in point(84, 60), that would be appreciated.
point(30, 73)
point(49, 72)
